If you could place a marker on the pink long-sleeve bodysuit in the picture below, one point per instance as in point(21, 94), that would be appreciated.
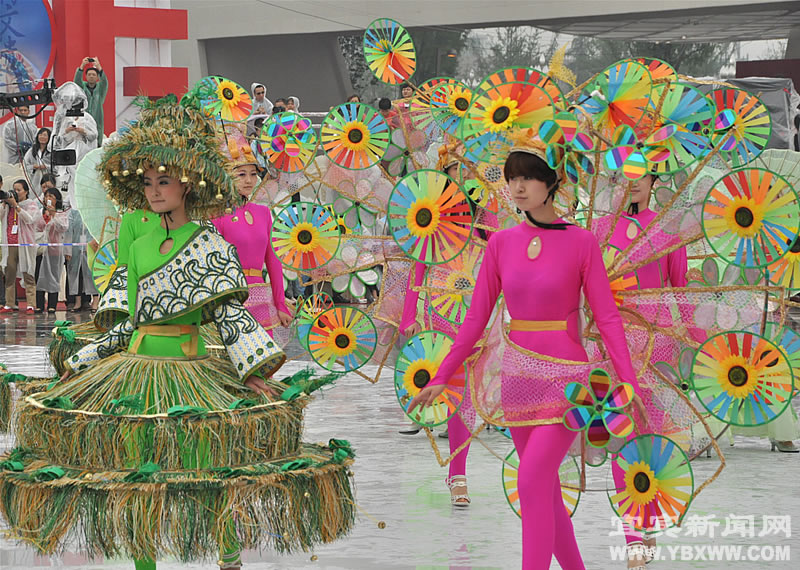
point(252, 241)
point(546, 288)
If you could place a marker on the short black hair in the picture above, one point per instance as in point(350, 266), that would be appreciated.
point(56, 193)
point(530, 166)
point(384, 104)
point(48, 178)
point(280, 100)
point(23, 183)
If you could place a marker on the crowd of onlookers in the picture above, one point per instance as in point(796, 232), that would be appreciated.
point(39, 225)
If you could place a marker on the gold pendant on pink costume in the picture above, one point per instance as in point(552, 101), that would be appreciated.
point(248, 217)
point(632, 231)
point(534, 248)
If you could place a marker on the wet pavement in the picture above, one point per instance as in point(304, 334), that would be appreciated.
point(399, 482)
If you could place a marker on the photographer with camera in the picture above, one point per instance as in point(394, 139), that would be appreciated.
point(19, 215)
point(38, 159)
point(73, 130)
point(18, 135)
point(90, 77)
point(52, 225)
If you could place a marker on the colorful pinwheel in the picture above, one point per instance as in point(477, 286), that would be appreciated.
point(687, 109)
point(479, 192)
point(750, 217)
point(625, 283)
point(354, 136)
point(742, 126)
point(658, 483)
point(569, 475)
point(742, 378)
point(419, 109)
point(449, 101)
point(222, 98)
point(289, 141)
point(305, 236)
point(342, 335)
point(452, 282)
point(517, 97)
point(567, 146)
point(389, 51)
point(307, 312)
point(617, 96)
point(659, 70)
point(429, 216)
point(104, 265)
point(635, 158)
point(416, 366)
point(785, 272)
point(597, 409)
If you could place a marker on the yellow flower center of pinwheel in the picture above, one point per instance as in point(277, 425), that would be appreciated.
point(355, 136)
point(228, 93)
point(418, 374)
point(341, 341)
point(737, 376)
point(744, 217)
point(458, 102)
point(304, 237)
point(423, 218)
point(501, 114)
point(641, 483)
point(460, 281)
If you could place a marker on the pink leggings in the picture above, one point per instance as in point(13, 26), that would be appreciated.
point(546, 526)
point(459, 428)
point(631, 534)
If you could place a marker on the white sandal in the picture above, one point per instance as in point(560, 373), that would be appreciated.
point(637, 549)
point(459, 499)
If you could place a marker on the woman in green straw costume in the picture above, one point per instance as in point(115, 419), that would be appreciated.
point(148, 448)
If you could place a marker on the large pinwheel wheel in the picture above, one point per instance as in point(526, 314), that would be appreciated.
point(516, 97)
point(354, 136)
point(687, 109)
point(416, 366)
point(389, 51)
point(567, 145)
point(658, 484)
point(429, 216)
point(626, 282)
point(636, 158)
point(617, 96)
point(659, 70)
point(342, 335)
point(419, 107)
point(750, 217)
point(451, 282)
point(288, 140)
point(305, 236)
point(224, 99)
point(741, 127)
point(104, 265)
point(307, 312)
point(742, 378)
point(449, 101)
point(598, 409)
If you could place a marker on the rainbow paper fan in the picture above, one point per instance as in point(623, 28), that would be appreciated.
point(658, 483)
point(785, 271)
point(627, 282)
point(750, 217)
point(389, 51)
point(104, 265)
point(307, 312)
point(419, 107)
point(429, 216)
point(618, 95)
point(451, 283)
point(449, 101)
point(597, 410)
point(224, 99)
point(687, 109)
point(742, 378)
point(416, 365)
point(288, 141)
point(354, 136)
point(659, 70)
point(342, 335)
point(516, 97)
point(741, 127)
point(305, 236)
point(569, 475)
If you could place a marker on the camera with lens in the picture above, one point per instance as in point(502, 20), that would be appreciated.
point(5, 195)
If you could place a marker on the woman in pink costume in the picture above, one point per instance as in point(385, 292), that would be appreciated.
point(541, 267)
point(249, 228)
point(460, 426)
point(667, 271)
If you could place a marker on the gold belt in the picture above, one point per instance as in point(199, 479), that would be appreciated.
point(189, 347)
point(253, 273)
point(535, 326)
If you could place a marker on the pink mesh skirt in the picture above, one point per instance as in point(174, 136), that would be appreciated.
point(262, 307)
